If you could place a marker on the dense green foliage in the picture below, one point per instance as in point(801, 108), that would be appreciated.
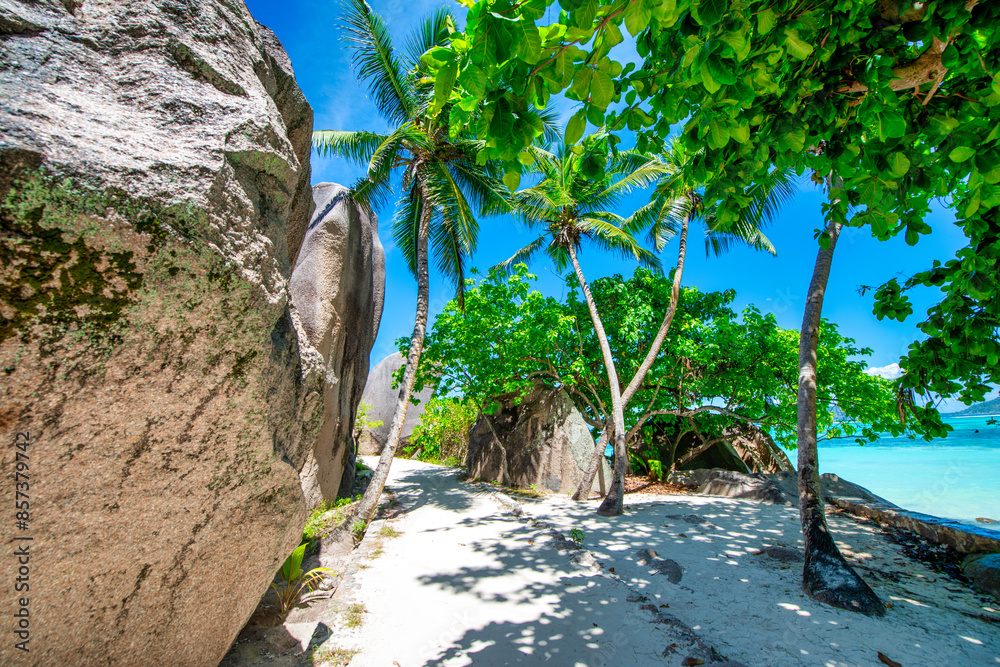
point(901, 101)
point(442, 436)
point(713, 362)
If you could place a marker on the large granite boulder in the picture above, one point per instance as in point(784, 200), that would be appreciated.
point(542, 441)
point(154, 191)
point(337, 290)
point(382, 397)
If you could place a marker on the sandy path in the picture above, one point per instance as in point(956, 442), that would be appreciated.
point(467, 581)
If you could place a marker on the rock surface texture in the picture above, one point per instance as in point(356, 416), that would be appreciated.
point(337, 290)
point(154, 191)
point(542, 441)
point(382, 397)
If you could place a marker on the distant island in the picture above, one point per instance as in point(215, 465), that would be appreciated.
point(991, 407)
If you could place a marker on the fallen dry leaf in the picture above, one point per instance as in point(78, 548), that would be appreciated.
point(691, 662)
point(681, 535)
point(887, 661)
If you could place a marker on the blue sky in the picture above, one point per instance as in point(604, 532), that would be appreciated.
point(310, 33)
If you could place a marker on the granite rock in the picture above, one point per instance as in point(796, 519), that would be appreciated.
point(541, 441)
point(382, 397)
point(154, 174)
point(337, 290)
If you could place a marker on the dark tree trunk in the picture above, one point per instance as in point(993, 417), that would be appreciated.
point(826, 576)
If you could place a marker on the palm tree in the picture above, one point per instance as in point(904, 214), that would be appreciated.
point(674, 205)
point(570, 203)
point(440, 181)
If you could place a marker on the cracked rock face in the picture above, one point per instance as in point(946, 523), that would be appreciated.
point(337, 291)
point(154, 191)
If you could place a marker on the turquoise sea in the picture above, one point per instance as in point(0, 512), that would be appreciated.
point(956, 477)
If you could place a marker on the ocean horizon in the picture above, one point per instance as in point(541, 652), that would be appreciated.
point(955, 477)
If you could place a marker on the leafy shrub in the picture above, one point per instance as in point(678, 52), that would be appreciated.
point(328, 513)
point(361, 421)
point(297, 586)
point(442, 436)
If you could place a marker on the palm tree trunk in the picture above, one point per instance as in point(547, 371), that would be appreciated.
point(613, 504)
point(587, 483)
point(826, 576)
point(366, 508)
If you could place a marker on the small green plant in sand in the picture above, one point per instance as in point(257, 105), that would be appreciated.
point(330, 655)
point(295, 585)
point(327, 515)
point(358, 529)
point(389, 531)
point(577, 535)
point(354, 615)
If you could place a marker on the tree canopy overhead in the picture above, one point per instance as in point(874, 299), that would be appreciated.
point(901, 101)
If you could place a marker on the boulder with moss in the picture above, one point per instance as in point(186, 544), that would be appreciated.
point(154, 191)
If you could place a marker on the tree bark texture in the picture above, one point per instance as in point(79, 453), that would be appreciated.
point(587, 483)
point(826, 575)
point(366, 508)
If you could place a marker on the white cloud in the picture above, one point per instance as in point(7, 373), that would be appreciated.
point(890, 372)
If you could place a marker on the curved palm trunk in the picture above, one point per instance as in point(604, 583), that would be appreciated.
point(826, 576)
point(366, 508)
point(587, 483)
point(616, 492)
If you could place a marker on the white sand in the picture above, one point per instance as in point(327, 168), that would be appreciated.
point(467, 582)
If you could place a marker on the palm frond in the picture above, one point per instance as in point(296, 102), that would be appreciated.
point(431, 32)
point(377, 64)
point(355, 146)
point(406, 226)
point(522, 256)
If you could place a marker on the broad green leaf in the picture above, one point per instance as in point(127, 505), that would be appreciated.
point(740, 133)
point(473, 79)
point(795, 46)
point(899, 164)
point(709, 12)
point(890, 125)
point(711, 85)
point(529, 42)
point(581, 83)
point(443, 84)
point(718, 135)
point(961, 154)
point(950, 57)
point(737, 40)
point(637, 16)
point(512, 179)
point(602, 90)
point(721, 70)
point(765, 21)
point(575, 127)
point(612, 35)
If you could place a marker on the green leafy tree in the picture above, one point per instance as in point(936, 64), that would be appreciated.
point(441, 181)
point(442, 436)
point(899, 103)
point(715, 367)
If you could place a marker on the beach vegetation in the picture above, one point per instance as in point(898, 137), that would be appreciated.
point(893, 105)
point(296, 586)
